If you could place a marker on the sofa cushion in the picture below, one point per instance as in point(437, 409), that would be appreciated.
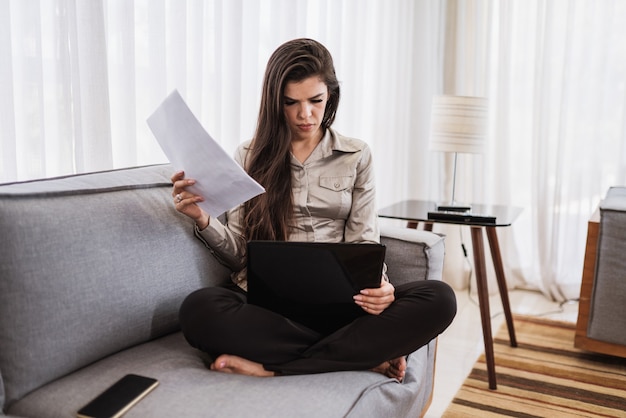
point(82, 267)
point(188, 389)
point(403, 246)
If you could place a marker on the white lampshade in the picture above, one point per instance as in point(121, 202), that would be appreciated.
point(458, 124)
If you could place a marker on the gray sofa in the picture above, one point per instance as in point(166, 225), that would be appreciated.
point(93, 269)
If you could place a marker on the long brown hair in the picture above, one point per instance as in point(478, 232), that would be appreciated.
point(268, 216)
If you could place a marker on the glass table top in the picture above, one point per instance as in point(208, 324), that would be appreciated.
point(427, 211)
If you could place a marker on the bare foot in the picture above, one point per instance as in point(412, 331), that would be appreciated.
point(395, 368)
point(238, 365)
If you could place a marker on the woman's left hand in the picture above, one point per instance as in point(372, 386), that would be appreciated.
point(375, 301)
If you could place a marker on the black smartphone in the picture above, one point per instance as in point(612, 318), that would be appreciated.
point(119, 398)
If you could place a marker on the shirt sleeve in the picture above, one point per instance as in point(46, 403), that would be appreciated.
point(228, 246)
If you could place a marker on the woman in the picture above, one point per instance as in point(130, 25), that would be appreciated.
point(319, 187)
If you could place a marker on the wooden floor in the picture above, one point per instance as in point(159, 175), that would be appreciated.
point(461, 344)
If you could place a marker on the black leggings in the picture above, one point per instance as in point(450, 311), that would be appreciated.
point(218, 320)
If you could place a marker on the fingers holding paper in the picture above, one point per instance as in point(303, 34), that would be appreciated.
point(187, 202)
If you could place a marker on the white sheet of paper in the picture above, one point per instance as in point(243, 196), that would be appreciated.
point(219, 179)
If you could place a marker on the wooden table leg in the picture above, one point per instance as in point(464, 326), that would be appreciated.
point(428, 226)
point(502, 287)
point(483, 301)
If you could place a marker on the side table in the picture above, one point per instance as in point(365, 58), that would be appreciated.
point(415, 211)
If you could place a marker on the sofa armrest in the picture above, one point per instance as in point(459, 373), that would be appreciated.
point(606, 312)
point(412, 254)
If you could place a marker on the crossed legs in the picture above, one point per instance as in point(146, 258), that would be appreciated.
point(247, 339)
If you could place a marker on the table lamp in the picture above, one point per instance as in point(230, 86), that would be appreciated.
point(458, 124)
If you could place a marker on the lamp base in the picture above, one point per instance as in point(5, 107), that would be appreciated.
point(454, 207)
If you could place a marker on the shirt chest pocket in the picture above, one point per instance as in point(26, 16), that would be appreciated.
point(335, 196)
point(336, 184)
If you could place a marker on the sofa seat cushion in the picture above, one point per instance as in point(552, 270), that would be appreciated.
point(188, 389)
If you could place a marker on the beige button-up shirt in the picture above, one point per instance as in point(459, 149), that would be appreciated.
point(333, 198)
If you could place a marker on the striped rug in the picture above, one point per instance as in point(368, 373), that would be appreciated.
point(545, 376)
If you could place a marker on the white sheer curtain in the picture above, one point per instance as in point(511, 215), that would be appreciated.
point(79, 78)
point(555, 74)
point(558, 81)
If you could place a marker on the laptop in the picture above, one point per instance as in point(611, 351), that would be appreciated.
point(313, 283)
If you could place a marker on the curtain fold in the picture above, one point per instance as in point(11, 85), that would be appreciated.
point(90, 88)
point(8, 130)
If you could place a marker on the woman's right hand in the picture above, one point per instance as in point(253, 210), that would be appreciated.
point(187, 202)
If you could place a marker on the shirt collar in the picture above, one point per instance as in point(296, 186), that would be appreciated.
point(333, 141)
